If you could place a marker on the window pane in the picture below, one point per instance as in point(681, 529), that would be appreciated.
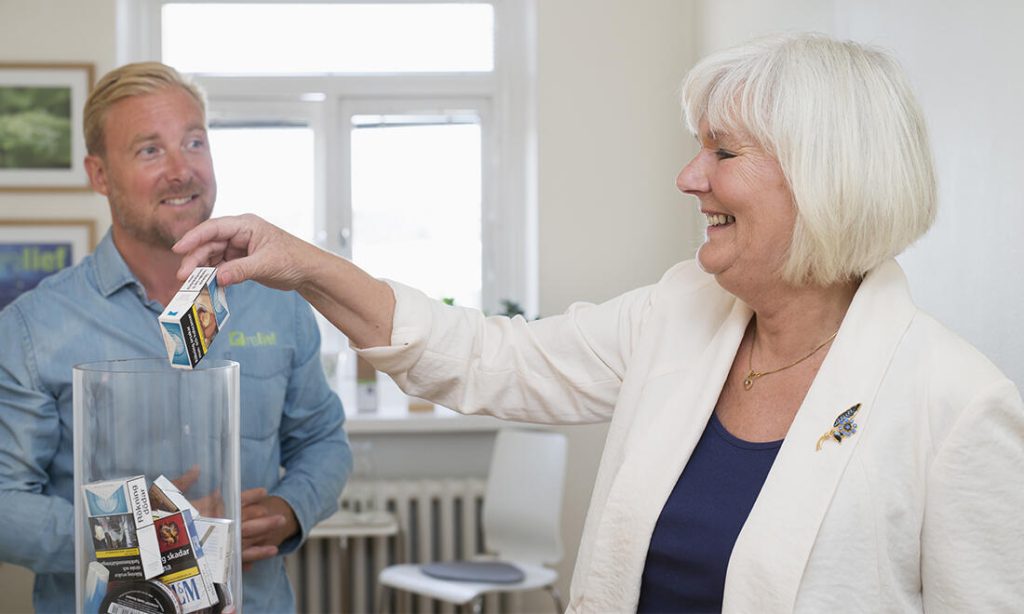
point(416, 202)
point(328, 38)
point(267, 171)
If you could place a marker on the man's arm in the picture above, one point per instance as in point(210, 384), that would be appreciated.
point(37, 530)
point(314, 449)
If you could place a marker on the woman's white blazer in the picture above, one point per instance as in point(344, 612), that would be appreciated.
point(922, 509)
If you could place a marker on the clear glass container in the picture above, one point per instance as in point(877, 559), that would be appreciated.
point(144, 418)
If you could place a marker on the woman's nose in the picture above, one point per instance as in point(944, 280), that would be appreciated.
point(693, 178)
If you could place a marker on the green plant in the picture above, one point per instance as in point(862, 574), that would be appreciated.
point(509, 308)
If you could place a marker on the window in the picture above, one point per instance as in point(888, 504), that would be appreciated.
point(397, 133)
point(393, 132)
point(286, 198)
point(328, 37)
point(416, 190)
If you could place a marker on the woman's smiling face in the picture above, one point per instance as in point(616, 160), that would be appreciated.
point(748, 204)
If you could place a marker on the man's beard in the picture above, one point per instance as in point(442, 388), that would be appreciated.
point(150, 230)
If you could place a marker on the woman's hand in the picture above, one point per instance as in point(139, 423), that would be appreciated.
point(247, 247)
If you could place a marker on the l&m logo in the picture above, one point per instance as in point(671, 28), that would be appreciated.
point(237, 338)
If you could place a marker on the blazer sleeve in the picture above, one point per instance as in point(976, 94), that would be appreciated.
point(560, 369)
point(972, 539)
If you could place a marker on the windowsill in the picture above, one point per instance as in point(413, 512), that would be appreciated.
point(394, 416)
point(441, 420)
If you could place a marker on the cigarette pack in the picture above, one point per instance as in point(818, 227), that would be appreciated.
point(165, 496)
point(215, 539)
point(182, 557)
point(121, 522)
point(193, 318)
point(96, 579)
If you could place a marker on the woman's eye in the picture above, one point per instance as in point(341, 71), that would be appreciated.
point(724, 155)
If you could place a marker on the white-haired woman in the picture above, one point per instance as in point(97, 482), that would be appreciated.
point(788, 431)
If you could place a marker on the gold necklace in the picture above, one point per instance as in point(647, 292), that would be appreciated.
point(748, 381)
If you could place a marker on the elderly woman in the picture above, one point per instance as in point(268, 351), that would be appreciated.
point(788, 431)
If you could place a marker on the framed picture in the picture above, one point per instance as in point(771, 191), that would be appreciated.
point(41, 142)
point(33, 249)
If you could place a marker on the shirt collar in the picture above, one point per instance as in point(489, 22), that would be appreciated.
point(112, 272)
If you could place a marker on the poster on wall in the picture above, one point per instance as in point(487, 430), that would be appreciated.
point(31, 250)
point(41, 142)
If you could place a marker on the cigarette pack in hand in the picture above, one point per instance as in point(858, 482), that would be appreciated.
point(193, 318)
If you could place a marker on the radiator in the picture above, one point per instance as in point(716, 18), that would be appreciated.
point(439, 520)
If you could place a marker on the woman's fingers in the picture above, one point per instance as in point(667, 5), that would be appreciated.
point(215, 242)
point(216, 229)
point(244, 247)
point(208, 254)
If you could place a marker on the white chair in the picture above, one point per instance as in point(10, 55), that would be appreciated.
point(521, 522)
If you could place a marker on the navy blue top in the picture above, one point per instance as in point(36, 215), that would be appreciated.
point(691, 544)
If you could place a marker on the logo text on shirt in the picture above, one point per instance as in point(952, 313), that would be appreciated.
point(237, 338)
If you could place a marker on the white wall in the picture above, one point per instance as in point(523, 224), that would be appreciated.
point(966, 60)
point(611, 143)
point(723, 23)
point(57, 31)
point(966, 63)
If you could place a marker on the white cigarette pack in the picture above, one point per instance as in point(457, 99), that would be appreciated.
point(165, 496)
point(121, 523)
point(215, 538)
point(193, 318)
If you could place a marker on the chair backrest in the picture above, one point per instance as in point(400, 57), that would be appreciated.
point(523, 506)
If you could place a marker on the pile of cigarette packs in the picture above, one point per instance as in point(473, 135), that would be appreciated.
point(154, 552)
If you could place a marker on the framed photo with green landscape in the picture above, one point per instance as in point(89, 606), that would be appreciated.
point(41, 143)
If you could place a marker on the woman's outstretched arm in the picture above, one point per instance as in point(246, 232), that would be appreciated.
point(247, 247)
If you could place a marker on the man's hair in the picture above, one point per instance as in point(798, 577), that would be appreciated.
point(842, 122)
point(129, 80)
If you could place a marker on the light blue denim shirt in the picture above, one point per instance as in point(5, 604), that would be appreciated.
point(98, 310)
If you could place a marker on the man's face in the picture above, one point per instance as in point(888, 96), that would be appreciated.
point(157, 171)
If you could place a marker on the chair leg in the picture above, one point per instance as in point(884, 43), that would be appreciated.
point(556, 597)
point(477, 604)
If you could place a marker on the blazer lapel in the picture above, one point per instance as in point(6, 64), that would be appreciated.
point(673, 410)
point(769, 557)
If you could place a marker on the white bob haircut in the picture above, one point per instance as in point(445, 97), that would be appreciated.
point(848, 134)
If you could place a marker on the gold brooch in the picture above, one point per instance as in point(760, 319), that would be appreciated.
point(844, 426)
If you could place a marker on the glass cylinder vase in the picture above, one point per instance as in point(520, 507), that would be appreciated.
point(157, 486)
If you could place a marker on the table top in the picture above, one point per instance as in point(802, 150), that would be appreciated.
point(351, 524)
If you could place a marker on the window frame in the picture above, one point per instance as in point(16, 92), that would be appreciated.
point(254, 113)
point(339, 220)
point(504, 97)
